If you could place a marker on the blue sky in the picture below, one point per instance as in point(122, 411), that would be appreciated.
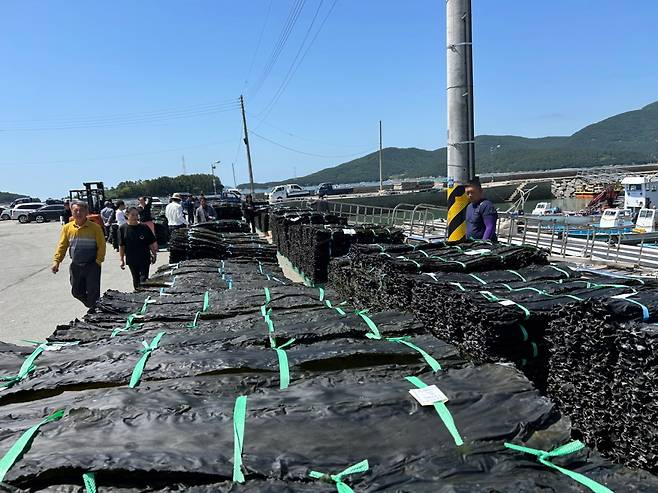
point(112, 91)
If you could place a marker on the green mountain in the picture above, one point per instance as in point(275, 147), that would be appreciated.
point(627, 138)
point(9, 197)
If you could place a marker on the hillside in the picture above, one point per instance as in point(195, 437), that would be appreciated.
point(7, 197)
point(627, 138)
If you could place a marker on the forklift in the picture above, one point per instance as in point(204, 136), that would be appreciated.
point(94, 195)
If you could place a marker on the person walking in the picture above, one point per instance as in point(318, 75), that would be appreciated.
point(86, 245)
point(481, 214)
point(249, 212)
point(66, 215)
point(106, 216)
point(145, 216)
point(174, 214)
point(204, 212)
point(137, 247)
point(120, 220)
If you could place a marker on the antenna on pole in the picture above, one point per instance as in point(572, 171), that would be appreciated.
point(381, 179)
point(183, 162)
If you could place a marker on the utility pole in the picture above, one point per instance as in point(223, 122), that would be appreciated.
point(184, 169)
point(246, 143)
point(235, 183)
point(381, 179)
point(461, 134)
point(213, 166)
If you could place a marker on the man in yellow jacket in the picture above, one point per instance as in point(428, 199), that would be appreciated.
point(86, 244)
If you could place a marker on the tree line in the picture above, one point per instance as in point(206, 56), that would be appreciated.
point(166, 185)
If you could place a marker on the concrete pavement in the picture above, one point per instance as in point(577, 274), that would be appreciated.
point(33, 300)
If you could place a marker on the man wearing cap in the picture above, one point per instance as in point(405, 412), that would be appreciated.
point(174, 214)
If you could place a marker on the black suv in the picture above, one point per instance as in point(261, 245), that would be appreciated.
point(46, 213)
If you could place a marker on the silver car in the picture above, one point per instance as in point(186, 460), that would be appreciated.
point(21, 211)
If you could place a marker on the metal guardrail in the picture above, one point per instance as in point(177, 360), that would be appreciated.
point(426, 221)
point(593, 242)
point(417, 219)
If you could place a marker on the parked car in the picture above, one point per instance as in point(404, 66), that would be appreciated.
point(46, 213)
point(5, 213)
point(24, 200)
point(21, 211)
point(330, 189)
point(54, 202)
point(290, 191)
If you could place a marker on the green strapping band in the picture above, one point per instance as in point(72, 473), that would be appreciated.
point(146, 353)
point(284, 370)
point(567, 449)
point(339, 310)
point(321, 291)
point(89, 480)
point(193, 324)
point(239, 418)
point(524, 332)
point(20, 446)
point(374, 334)
point(129, 325)
point(442, 411)
point(206, 301)
point(517, 274)
point(26, 368)
point(478, 279)
point(142, 311)
point(268, 298)
point(458, 284)
point(328, 303)
point(560, 270)
point(434, 364)
point(341, 487)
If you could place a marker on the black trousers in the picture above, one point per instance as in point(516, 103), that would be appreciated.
point(86, 282)
point(140, 273)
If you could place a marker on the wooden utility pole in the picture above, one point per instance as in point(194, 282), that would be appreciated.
point(246, 143)
point(381, 179)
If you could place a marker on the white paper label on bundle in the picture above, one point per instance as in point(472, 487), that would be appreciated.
point(349, 231)
point(507, 302)
point(479, 251)
point(427, 396)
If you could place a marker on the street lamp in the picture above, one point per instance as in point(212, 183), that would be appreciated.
point(213, 166)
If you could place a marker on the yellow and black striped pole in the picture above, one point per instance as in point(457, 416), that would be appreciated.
point(457, 203)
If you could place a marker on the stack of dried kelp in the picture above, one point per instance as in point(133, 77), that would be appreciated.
point(310, 240)
point(583, 336)
point(603, 372)
point(215, 240)
point(203, 386)
point(227, 210)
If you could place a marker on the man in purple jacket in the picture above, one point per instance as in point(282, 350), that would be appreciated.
point(481, 215)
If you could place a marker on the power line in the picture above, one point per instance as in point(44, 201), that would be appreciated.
point(369, 150)
point(295, 11)
point(123, 122)
point(260, 38)
point(290, 134)
point(117, 156)
point(114, 116)
point(293, 68)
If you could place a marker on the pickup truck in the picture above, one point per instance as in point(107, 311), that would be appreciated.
point(330, 189)
point(291, 191)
